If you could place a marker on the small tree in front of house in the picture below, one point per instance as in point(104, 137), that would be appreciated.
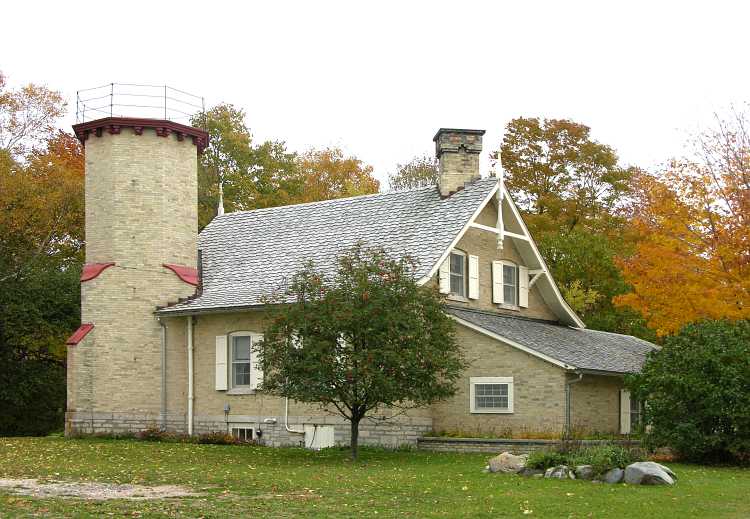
point(364, 338)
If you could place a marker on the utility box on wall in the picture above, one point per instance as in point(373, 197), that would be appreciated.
point(319, 436)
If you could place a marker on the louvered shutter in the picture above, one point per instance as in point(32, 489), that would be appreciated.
point(497, 282)
point(624, 411)
point(523, 287)
point(444, 276)
point(473, 277)
point(256, 370)
point(221, 362)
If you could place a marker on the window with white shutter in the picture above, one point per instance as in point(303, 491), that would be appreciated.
point(444, 276)
point(624, 411)
point(221, 363)
point(497, 282)
point(473, 277)
point(523, 287)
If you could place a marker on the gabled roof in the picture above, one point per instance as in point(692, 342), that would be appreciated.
point(248, 254)
point(576, 349)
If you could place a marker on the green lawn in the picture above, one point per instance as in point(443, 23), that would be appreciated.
point(237, 481)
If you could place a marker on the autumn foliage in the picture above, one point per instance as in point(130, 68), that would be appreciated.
point(692, 222)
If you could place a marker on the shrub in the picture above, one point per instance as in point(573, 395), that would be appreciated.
point(218, 438)
point(546, 458)
point(697, 389)
point(605, 457)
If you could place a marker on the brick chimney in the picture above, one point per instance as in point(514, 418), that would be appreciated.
point(458, 156)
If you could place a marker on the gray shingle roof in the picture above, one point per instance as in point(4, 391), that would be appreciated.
point(578, 347)
point(249, 254)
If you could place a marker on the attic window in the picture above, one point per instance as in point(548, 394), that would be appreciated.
point(510, 284)
point(458, 273)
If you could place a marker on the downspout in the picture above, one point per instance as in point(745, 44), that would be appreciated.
point(163, 374)
point(286, 418)
point(568, 383)
point(190, 373)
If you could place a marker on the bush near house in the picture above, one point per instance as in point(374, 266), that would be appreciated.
point(697, 390)
point(601, 457)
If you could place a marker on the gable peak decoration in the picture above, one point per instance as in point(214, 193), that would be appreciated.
point(457, 151)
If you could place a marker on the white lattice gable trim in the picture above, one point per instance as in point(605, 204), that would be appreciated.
point(511, 226)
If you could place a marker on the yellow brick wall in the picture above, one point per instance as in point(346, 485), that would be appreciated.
point(539, 391)
point(484, 244)
point(140, 213)
point(595, 404)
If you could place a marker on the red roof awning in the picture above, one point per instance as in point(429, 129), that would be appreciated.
point(91, 270)
point(187, 274)
point(79, 334)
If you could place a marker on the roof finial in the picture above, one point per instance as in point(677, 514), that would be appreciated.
point(220, 209)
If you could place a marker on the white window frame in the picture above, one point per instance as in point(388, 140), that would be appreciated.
point(231, 361)
point(464, 273)
point(506, 263)
point(473, 381)
point(248, 431)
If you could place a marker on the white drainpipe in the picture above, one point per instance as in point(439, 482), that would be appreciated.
point(190, 373)
point(163, 374)
point(286, 418)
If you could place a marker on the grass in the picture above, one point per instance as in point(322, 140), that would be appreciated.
point(249, 481)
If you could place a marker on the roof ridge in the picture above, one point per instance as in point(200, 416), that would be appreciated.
point(336, 200)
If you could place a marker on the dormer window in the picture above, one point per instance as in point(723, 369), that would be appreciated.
point(458, 273)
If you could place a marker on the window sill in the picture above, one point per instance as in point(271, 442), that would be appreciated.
point(493, 411)
point(513, 308)
point(241, 391)
point(458, 299)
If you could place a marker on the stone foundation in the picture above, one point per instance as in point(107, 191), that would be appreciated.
point(398, 432)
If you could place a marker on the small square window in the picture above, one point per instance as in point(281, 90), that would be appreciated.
point(244, 434)
point(491, 394)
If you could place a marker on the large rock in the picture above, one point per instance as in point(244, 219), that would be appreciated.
point(508, 463)
point(613, 476)
point(584, 472)
point(559, 472)
point(648, 473)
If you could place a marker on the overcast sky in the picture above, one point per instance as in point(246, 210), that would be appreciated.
point(379, 78)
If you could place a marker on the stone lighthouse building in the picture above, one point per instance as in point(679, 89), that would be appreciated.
point(141, 246)
point(166, 344)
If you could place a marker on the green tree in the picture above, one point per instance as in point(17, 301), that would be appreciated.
point(367, 337)
point(252, 176)
point(697, 392)
point(559, 176)
point(418, 172)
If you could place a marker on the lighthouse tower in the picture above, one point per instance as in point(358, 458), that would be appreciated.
point(141, 248)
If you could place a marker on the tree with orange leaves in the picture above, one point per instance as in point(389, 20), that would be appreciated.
point(328, 174)
point(692, 260)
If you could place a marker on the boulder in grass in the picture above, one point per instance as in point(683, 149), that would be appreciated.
point(613, 476)
point(584, 472)
point(559, 472)
point(508, 463)
point(649, 473)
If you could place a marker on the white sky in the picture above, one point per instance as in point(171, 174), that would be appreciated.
point(379, 78)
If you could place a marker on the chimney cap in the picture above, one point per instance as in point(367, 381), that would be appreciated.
point(457, 130)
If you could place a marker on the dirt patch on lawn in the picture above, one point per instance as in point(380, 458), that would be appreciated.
point(94, 491)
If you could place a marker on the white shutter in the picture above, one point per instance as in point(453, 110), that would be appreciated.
point(444, 276)
point(497, 282)
point(221, 363)
point(473, 277)
point(624, 411)
point(256, 371)
point(523, 287)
